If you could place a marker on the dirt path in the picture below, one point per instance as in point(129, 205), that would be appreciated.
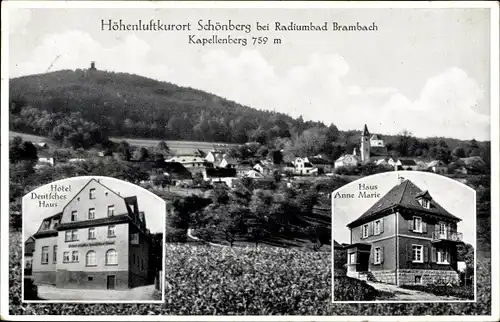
point(142, 293)
point(408, 295)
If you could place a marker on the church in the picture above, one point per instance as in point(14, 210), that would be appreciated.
point(372, 148)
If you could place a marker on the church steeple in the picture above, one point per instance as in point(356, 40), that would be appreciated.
point(365, 131)
point(365, 145)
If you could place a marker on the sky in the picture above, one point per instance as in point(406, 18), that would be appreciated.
point(425, 70)
point(457, 198)
point(153, 206)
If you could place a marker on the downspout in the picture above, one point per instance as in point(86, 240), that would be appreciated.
point(397, 246)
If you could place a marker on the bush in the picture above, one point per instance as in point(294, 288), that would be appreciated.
point(463, 292)
point(351, 289)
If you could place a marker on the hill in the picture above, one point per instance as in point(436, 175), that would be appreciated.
point(132, 106)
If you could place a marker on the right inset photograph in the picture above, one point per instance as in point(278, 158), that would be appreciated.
point(404, 236)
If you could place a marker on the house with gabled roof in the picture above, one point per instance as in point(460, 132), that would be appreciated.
point(98, 241)
point(406, 237)
point(437, 166)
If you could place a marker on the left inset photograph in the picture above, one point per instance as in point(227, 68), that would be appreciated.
point(93, 239)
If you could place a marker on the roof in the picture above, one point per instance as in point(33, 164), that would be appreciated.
point(342, 158)
point(375, 137)
point(378, 151)
point(403, 195)
point(315, 160)
point(365, 131)
point(472, 160)
point(436, 163)
point(407, 162)
point(50, 231)
point(220, 172)
point(177, 171)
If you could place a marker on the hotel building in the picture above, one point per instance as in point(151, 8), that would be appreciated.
point(98, 241)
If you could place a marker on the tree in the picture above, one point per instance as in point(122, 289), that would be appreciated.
point(22, 151)
point(124, 150)
point(161, 180)
point(163, 147)
point(142, 154)
point(318, 234)
point(458, 152)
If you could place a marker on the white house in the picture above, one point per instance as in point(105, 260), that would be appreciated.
point(263, 168)
point(192, 163)
point(405, 164)
point(437, 166)
point(254, 174)
point(348, 160)
point(304, 167)
point(46, 161)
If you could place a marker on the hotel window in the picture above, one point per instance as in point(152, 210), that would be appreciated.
point(111, 257)
point(111, 210)
point(45, 254)
point(135, 239)
point(74, 235)
point(74, 256)
point(365, 231)
point(90, 259)
point(426, 203)
point(92, 193)
point(67, 235)
point(92, 213)
point(417, 224)
point(417, 253)
point(377, 255)
point(74, 215)
point(66, 257)
point(111, 231)
point(91, 233)
point(443, 256)
point(54, 254)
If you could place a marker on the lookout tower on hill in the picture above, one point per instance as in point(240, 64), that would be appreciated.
point(92, 65)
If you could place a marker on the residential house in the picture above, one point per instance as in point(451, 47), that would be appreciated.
point(214, 156)
point(254, 174)
point(437, 166)
point(46, 161)
point(403, 164)
point(265, 169)
point(406, 237)
point(382, 162)
point(228, 162)
point(323, 165)
point(348, 160)
point(304, 167)
point(192, 163)
point(178, 173)
point(98, 241)
point(42, 145)
point(243, 167)
point(226, 175)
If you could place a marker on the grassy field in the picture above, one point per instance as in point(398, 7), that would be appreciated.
point(177, 147)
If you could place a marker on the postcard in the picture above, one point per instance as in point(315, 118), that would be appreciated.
point(224, 160)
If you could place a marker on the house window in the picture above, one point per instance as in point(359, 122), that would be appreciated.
point(74, 215)
point(111, 257)
point(90, 259)
point(74, 235)
point(378, 228)
point(74, 256)
point(443, 256)
point(135, 239)
point(92, 213)
point(417, 253)
point(352, 258)
point(111, 210)
point(92, 193)
point(442, 228)
point(418, 279)
point(91, 233)
point(90, 278)
point(378, 255)
point(45, 254)
point(111, 231)
point(417, 224)
point(67, 235)
point(54, 254)
point(66, 257)
point(426, 203)
point(365, 231)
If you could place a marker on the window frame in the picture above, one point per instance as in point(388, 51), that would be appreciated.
point(421, 226)
point(442, 253)
point(377, 227)
point(114, 231)
point(352, 258)
point(74, 235)
point(421, 251)
point(377, 260)
point(54, 254)
point(91, 229)
point(74, 215)
point(92, 193)
point(87, 264)
point(367, 230)
point(91, 211)
point(112, 208)
point(108, 256)
point(67, 253)
point(44, 255)
point(73, 260)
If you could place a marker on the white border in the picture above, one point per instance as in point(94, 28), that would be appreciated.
point(495, 190)
point(394, 173)
point(65, 180)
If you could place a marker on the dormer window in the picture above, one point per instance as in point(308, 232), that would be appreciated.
point(426, 203)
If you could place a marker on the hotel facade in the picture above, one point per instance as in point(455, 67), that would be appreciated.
point(98, 241)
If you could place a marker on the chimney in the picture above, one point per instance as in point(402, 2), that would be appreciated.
point(92, 65)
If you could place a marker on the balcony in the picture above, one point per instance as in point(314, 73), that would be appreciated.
point(448, 235)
